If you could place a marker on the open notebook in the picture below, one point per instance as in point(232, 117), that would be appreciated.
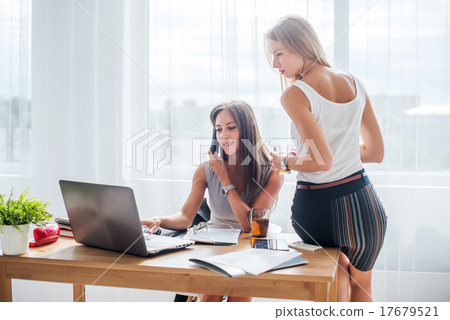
point(250, 261)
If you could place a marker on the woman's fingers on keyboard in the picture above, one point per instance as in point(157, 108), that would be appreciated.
point(154, 226)
point(150, 222)
point(147, 222)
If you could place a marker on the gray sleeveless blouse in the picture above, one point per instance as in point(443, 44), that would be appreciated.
point(221, 212)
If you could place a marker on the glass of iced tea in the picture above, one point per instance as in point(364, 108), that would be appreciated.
point(260, 221)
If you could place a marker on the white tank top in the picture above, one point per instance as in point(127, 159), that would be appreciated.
point(340, 123)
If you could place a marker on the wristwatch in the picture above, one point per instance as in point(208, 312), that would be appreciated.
point(284, 165)
point(226, 189)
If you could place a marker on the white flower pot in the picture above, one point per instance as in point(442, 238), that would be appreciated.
point(13, 241)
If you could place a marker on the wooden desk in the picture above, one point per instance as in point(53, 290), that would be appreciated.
point(69, 262)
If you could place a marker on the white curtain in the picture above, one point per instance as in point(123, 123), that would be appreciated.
point(400, 50)
point(15, 92)
point(78, 94)
point(120, 87)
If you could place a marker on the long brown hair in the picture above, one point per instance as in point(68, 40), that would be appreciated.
point(252, 151)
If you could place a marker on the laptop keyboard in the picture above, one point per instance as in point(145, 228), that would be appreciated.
point(160, 242)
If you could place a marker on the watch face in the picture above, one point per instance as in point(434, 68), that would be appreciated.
point(224, 192)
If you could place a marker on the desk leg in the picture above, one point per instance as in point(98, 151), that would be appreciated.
point(321, 292)
point(5, 284)
point(333, 288)
point(79, 293)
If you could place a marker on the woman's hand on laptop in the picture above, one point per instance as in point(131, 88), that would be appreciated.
point(152, 223)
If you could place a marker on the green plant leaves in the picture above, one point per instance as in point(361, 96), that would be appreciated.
point(23, 211)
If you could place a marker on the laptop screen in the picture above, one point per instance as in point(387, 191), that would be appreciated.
point(104, 216)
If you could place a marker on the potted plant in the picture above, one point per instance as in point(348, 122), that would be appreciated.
point(16, 216)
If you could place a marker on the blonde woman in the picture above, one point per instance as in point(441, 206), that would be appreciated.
point(335, 203)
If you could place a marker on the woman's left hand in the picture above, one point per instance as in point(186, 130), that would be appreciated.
point(219, 167)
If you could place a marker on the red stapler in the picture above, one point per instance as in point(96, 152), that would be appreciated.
point(45, 234)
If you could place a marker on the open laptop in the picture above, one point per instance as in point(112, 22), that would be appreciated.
point(106, 217)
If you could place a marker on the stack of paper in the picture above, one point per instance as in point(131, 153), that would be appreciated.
point(250, 261)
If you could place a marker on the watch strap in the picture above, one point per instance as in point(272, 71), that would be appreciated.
point(226, 189)
point(284, 165)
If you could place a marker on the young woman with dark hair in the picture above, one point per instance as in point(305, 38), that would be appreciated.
point(235, 177)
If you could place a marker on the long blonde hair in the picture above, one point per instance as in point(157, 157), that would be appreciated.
point(298, 36)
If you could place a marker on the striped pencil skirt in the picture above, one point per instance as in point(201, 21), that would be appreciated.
point(349, 216)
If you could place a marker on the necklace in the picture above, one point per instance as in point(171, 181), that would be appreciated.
point(300, 77)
